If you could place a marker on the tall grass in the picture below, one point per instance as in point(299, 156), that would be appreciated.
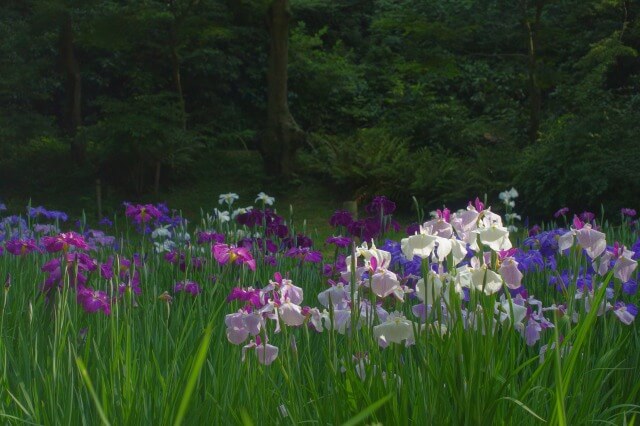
point(155, 362)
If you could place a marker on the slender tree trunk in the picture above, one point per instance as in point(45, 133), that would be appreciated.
point(177, 80)
point(73, 110)
point(283, 136)
point(535, 93)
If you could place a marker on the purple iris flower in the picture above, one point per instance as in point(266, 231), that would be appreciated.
point(628, 212)
point(562, 212)
point(209, 237)
point(47, 214)
point(106, 269)
point(97, 239)
point(250, 218)
point(173, 256)
point(279, 230)
point(339, 241)
point(562, 281)
point(381, 205)
point(413, 229)
point(45, 229)
point(304, 241)
point(635, 248)
point(188, 287)
point(3, 208)
point(271, 246)
point(529, 261)
point(535, 230)
point(93, 300)
point(546, 242)
point(142, 213)
point(630, 287)
point(587, 217)
point(522, 291)
point(399, 263)
point(105, 221)
point(305, 254)
point(198, 262)
point(341, 218)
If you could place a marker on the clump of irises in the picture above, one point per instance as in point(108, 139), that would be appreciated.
point(440, 274)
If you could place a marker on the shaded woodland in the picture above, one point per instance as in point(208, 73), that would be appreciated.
point(441, 100)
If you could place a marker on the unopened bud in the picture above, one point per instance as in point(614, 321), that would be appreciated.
point(165, 297)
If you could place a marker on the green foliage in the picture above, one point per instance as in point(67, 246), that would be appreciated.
point(138, 133)
point(589, 156)
point(452, 80)
point(365, 163)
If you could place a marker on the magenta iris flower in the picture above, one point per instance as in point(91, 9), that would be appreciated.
point(142, 213)
point(444, 214)
point(18, 247)
point(477, 204)
point(251, 296)
point(224, 254)
point(63, 241)
point(93, 300)
point(191, 287)
point(76, 267)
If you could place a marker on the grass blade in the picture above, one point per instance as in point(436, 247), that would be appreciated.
point(193, 377)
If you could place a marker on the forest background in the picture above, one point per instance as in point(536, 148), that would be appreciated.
point(441, 100)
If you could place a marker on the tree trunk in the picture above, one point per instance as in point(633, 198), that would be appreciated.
point(283, 136)
point(535, 93)
point(73, 111)
point(177, 80)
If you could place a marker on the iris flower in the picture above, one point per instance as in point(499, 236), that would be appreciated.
point(396, 329)
point(228, 198)
point(191, 287)
point(63, 241)
point(140, 213)
point(265, 199)
point(225, 253)
point(93, 300)
point(19, 247)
